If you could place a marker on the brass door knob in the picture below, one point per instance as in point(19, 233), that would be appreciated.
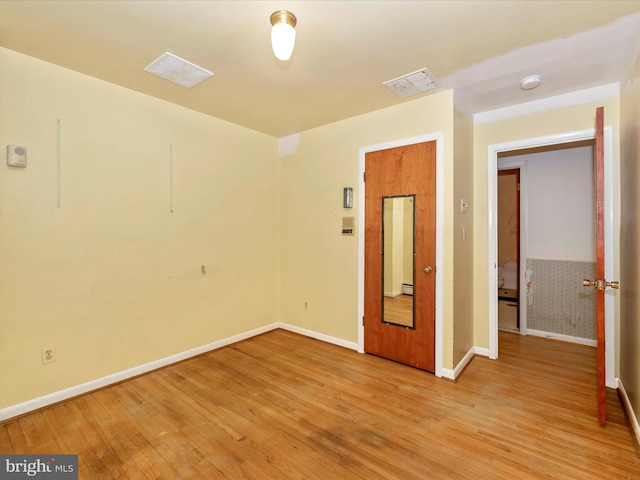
point(600, 284)
point(428, 269)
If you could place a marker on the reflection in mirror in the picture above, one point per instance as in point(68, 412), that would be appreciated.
point(398, 268)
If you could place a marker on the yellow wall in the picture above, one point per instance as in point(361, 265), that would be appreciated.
point(319, 265)
point(550, 122)
point(629, 235)
point(408, 234)
point(112, 279)
point(463, 248)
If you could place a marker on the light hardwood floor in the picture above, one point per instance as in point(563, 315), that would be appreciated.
point(282, 406)
point(399, 310)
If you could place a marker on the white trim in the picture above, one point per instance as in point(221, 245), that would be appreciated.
point(77, 390)
point(318, 336)
point(481, 351)
point(67, 393)
point(609, 295)
point(633, 419)
point(395, 294)
point(580, 97)
point(492, 181)
point(453, 374)
point(439, 333)
point(564, 338)
point(524, 222)
point(448, 373)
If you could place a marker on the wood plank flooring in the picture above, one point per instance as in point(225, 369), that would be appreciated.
point(282, 406)
point(399, 310)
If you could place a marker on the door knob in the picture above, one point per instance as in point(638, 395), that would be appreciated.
point(600, 284)
point(428, 269)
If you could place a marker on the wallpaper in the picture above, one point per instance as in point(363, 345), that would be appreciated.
point(556, 300)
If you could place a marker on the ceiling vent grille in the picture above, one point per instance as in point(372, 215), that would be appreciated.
point(412, 83)
point(178, 70)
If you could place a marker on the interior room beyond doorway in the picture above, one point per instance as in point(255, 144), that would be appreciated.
point(546, 241)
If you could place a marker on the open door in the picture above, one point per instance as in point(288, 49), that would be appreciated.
point(600, 283)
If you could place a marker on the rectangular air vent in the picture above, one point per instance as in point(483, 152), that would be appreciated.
point(412, 83)
point(178, 70)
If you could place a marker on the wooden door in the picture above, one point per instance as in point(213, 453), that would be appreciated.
point(600, 283)
point(600, 327)
point(509, 234)
point(401, 171)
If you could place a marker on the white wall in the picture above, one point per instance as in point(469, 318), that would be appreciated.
point(560, 186)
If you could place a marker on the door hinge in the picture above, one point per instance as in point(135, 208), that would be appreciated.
point(363, 320)
point(364, 176)
point(518, 188)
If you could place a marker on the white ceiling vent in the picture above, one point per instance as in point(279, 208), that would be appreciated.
point(178, 70)
point(412, 83)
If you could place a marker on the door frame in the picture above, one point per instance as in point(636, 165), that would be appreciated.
point(554, 139)
point(439, 321)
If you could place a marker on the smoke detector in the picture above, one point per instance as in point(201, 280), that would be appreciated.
point(530, 82)
point(412, 83)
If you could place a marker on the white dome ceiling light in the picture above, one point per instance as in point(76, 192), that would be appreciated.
point(530, 82)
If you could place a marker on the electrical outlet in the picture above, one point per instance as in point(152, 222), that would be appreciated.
point(48, 354)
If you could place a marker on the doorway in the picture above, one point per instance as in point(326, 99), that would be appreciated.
point(509, 215)
point(546, 142)
point(439, 213)
point(560, 250)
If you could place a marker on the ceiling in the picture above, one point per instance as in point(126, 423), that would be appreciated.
point(344, 51)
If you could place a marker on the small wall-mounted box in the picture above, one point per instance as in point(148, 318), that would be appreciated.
point(16, 156)
point(348, 225)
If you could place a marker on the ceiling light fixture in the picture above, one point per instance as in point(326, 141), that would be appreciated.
point(530, 82)
point(283, 34)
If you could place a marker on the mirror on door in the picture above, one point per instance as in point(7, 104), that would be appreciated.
point(398, 255)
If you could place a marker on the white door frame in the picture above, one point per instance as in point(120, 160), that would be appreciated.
point(439, 333)
point(560, 138)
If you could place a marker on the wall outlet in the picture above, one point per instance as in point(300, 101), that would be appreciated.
point(48, 354)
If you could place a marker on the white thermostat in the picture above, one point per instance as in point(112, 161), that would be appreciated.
point(16, 156)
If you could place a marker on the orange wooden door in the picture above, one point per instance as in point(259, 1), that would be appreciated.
point(406, 170)
point(600, 282)
point(600, 326)
point(509, 210)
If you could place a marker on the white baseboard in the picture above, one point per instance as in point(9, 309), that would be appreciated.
point(473, 351)
point(633, 419)
point(61, 395)
point(481, 351)
point(564, 338)
point(319, 336)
